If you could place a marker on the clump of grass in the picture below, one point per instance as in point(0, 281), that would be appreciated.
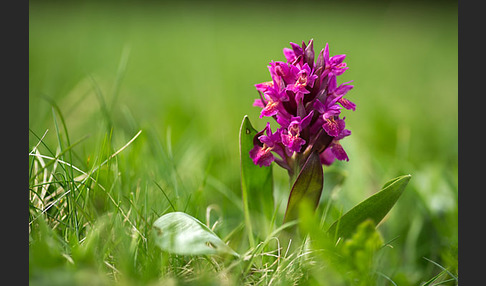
point(91, 217)
point(86, 224)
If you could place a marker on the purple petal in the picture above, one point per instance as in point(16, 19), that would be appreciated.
point(343, 134)
point(270, 109)
point(343, 88)
point(339, 152)
point(283, 121)
point(347, 104)
point(305, 122)
point(258, 103)
point(289, 55)
point(293, 143)
point(331, 111)
point(261, 156)
point(263, 86)
point(327, 157)
point(326, 54)
point(337, 59)
point(319, 106)
point(298, 51)
point(340, 70)
point(333, 127)
point(332, 83)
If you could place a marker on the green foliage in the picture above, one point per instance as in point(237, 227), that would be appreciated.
point(306, 189)
point(374, 208)
point(360, 251)
point(256, 186)
point(45, 243)
point(356, 257)
point(353, 261)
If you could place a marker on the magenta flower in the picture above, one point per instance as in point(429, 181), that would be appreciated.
point(334, 151)
point(261, 152)
point(335, 91)
point(306, 101)
point(292, 54)
point(271, 103)
point(291, 133)
point(304, 80)
point(334, 64)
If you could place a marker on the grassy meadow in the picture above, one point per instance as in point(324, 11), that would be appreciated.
point(135, 110)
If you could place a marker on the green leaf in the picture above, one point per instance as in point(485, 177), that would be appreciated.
point(362, 245)
point(307, 188)
point(256, 184)
point(180, 233)
point(358, 253)
point(374, 208)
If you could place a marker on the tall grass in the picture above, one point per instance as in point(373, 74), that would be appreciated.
point(134, 112)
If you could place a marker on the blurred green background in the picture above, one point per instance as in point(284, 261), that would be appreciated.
point(185, 72)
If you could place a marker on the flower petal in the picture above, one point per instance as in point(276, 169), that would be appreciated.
point(339, 152)
point(261, 156)
point(327, 157)
point(259, 103)
point(333, 127)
